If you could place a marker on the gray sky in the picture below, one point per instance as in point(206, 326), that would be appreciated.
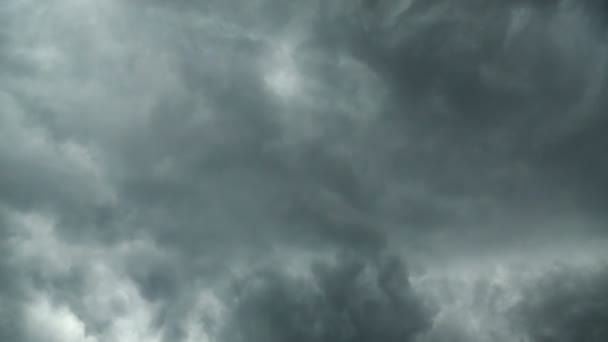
point(303, 171)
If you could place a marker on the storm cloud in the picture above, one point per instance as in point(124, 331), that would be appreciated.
point(265, 170)
point(355, 300)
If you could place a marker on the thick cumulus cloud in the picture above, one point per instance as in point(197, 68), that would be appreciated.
point(223, 170)
point(352, 300)
point(567, 305)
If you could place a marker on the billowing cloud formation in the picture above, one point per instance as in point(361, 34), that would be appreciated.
point(168, 170)
point(354, 300)
point(567, 305)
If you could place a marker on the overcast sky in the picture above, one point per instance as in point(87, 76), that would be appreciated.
point(303, 171)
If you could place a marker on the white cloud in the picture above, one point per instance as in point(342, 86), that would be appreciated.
point(48, 322)
point(110, 297)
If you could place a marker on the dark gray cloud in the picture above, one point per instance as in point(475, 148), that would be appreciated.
point(152, 152)
point(353, 300)
point(566, 305)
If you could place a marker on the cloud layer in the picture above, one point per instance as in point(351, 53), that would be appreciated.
point(388, 170)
